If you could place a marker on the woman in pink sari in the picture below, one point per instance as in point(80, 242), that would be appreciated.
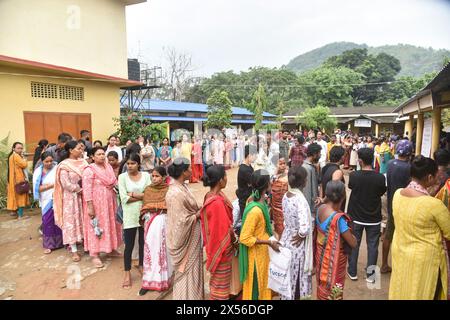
point(67, 201)
point(100, 206)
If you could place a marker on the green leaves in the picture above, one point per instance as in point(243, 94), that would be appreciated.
point(219, 110)
point(131, 125)
point(259, 103)
point(5, 148)
point(317, 118)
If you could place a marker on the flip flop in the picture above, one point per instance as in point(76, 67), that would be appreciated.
point(47, 251)
point(76, 258)
point(97, 262)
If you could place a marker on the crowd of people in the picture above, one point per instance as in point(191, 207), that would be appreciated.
point(291, 193)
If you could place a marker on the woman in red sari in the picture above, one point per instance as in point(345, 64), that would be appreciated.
point(333, 243)
point(217, 227)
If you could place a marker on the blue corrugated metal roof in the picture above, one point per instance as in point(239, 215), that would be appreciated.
point(164, 118)
point(190, 119)
point(177, 106)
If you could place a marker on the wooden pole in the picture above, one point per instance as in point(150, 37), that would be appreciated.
point(435, 136)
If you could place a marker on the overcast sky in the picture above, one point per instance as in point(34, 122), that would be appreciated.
point(234, 35)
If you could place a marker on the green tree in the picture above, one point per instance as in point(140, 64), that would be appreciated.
point(259, 103)
point(219, 110)
point(329, 86)
point(281, 109)
point(318, 117)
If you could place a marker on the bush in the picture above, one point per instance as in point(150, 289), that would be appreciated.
point(4, 151)
point(131, 125)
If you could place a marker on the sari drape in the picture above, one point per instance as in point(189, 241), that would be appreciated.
point(330, 259)
point(51, 233)
point(184, 242)
point(217, 225)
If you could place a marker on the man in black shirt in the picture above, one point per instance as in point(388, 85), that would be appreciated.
point(398, 176)
point(332, 170)
point(364, 208)
point(244, 178)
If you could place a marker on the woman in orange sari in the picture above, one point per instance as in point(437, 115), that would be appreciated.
point(218, 235)
point(334, 237)
point(17, 163)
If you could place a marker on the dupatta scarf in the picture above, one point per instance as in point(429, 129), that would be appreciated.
point(106, 175)
point(46, 197)
point(155, 197)
point(216, 231)
point(75, 166)
point(243, 249)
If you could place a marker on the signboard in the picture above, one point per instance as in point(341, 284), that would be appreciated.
point(426, 137)
point(363, 123)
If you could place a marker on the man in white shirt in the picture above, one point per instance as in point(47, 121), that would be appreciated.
point(323, 153)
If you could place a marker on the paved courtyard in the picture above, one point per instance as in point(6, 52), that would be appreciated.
point(27, 273)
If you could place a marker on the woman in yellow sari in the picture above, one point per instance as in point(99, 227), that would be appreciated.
point(255, 233)
point(419, 269)
point(444, 196)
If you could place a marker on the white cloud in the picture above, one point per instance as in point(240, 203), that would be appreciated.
point(237, 34)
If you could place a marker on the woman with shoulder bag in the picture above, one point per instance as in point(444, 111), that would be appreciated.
point(18, 185)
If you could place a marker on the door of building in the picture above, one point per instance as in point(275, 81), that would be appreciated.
point(48, 125)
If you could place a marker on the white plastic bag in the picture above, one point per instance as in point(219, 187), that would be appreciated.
point(279, 271)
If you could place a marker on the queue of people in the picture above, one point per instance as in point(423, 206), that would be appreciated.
point(291, 193)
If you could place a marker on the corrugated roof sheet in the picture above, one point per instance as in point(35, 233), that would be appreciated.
point(191, 119)
point(178, 106)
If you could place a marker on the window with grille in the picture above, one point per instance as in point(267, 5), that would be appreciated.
point(55, 91)
point(44, 90)
point(71, 93)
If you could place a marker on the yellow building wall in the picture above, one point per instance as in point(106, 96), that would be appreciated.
point(89, 35)
point(101, 100)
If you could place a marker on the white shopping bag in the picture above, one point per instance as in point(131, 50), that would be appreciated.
point(279, 271)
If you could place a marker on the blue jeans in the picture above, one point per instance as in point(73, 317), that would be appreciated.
point(372, 241)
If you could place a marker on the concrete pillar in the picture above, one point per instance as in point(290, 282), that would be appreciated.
point(409, 125)
point(377, 129)
point(197, 128)
point(436, 129)
point(419, 133)
point(167, 130)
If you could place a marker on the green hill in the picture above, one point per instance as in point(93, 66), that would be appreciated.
point(415, 61)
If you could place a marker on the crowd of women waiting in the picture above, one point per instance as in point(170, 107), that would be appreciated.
point(291, 192)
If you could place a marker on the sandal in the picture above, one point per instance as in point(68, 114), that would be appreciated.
point(97, 262)
point(47, 251)
point(386, 270)
point(115, 254)
point(76, 257)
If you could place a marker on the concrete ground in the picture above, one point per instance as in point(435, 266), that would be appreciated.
point(27, 273)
